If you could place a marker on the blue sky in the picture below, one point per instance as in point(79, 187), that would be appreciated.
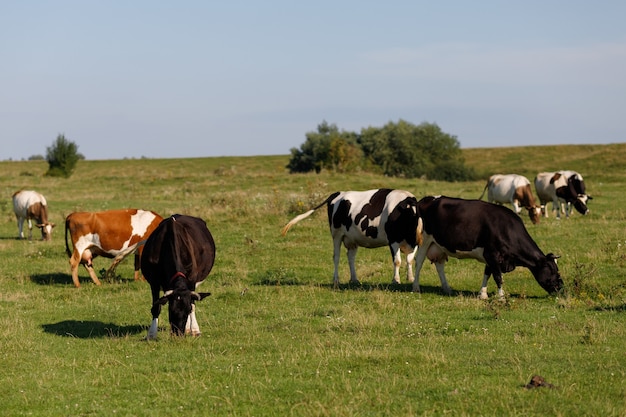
point(130, 79)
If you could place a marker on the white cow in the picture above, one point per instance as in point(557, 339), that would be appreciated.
point(514, 189)
point(30, 205)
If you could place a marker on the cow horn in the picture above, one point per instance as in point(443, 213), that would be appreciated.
point(168, 293)
point(199, 296)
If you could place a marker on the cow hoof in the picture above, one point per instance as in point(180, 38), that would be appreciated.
point(483, 296)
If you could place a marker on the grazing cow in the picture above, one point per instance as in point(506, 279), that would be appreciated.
point(514, 189)
point(486, 232)
point(112, 234)
point(565, 187)
point(370, 219)
point(30, 205)
point(177, 257)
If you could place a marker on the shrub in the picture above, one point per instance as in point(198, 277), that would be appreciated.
point(62, 157)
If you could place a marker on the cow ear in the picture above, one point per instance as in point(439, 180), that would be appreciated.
point(162, 301)
point(52, 224)
point(199, 296)
point(552, 257)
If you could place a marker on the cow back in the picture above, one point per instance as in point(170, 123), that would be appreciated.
point(179, 244)
point(464, 225)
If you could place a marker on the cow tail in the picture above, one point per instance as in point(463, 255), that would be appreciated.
point(303, 216)
point(419, 232)
point(67, 247)
point(484, 189)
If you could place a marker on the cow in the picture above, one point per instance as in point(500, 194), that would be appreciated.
point(567, 187)
point(514, 189)
point(370, 219)
point(489, 233)
point(177, 257)
point(112, 234)
point(30, 205)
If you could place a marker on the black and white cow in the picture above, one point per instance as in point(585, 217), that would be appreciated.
point(370, 219)
point(489, 233)
point(562, 187)
point(176, 258)
point(30, 205)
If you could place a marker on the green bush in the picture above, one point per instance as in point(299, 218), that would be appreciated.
point(328, 148)
point(62, 157)
point(397, 149)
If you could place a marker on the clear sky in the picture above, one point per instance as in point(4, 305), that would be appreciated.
point(156, 79)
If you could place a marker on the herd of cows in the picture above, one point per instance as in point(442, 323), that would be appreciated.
point(177, 253)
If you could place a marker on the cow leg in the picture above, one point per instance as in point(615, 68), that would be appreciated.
point(336, 255)
point(409, 265)
point(155, 310)
point(74, 263)
point(20, 228)
point(419, 262)
point(351, 262)
point(557, 204)
point(440, 265)
point(138, 275)
point(483, 289)
point(396, 257)
point(92, 274)
point(516, 206)
point(497, 277)
point(30, 230)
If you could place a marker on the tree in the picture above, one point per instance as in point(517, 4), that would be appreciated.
point(62, 157)
point(397, 149)
point(404, 149)
point(328, 148)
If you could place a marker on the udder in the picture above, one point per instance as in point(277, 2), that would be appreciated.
point(436, 254)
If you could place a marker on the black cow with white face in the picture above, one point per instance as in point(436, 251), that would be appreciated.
point(489, 233)
point(176, 258)
point(370, 219)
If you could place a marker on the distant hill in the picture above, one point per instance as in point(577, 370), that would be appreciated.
point(601, 162)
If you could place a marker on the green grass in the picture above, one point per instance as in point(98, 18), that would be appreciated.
point(277, 338)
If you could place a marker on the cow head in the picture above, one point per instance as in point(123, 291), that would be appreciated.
point(577, 188)
point(46, 230)
point(535, 214)
point(180, 306)
point(547, 274)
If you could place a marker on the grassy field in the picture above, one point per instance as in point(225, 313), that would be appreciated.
point(277, 338)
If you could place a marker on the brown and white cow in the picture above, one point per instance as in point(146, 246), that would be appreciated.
point(562, 187)
point(370, 219)
point(112, 234)
point(491, 234)
point(30, 205)
point(514, 189)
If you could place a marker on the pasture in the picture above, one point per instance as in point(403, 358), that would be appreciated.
point(277, 338)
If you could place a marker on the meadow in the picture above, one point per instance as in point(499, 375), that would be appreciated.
point(278, 339)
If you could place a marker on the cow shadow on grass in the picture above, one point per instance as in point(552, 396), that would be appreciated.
point(51, 279)
point(62, 278)
point(91, 329)
point(424, 289)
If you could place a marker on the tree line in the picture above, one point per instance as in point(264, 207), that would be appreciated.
point(399, 149)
